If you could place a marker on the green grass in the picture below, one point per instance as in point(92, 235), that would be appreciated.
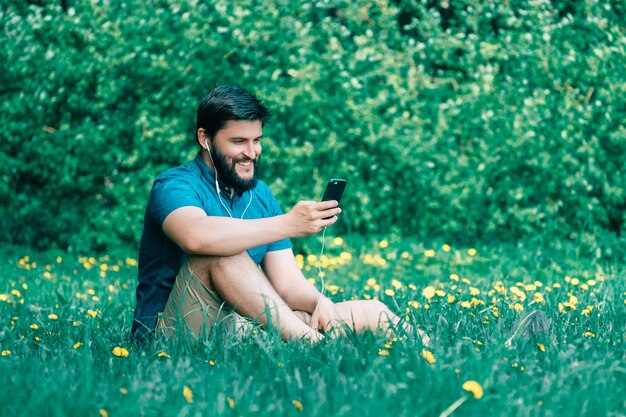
point(62, 316)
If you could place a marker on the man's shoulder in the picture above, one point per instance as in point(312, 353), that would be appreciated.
point(185, 171)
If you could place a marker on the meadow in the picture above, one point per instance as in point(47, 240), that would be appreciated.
point(65, 347)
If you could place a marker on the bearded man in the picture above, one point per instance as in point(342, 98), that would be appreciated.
point(215, 246)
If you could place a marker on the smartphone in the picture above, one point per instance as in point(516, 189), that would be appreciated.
point(334, 189)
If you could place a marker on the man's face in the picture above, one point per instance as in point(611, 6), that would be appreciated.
point(235, 150)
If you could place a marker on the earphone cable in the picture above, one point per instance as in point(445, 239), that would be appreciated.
point(320, 273)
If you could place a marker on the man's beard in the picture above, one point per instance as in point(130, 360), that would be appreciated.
point(228, 175)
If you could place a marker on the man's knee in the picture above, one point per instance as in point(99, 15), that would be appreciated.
point(206, 267)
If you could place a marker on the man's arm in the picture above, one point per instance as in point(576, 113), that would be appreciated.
point(287, 279)
point(196, 233)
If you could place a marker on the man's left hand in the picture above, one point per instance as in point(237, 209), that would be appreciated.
point(324, 315)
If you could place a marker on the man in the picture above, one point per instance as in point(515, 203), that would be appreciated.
point(210, 224)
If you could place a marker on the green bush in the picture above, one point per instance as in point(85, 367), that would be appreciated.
point(452, 118)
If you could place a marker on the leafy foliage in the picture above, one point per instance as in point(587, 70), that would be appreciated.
point(466, 118)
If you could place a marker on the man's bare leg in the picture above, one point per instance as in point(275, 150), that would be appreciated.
point(242, 285)
point(373, 315)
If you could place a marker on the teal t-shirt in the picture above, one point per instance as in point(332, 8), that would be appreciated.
point(160, 259)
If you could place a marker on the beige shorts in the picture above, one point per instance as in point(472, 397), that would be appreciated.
point(193, 310)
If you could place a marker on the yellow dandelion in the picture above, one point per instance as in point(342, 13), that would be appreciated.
point(75, 324)
point(103, 413)
point(231, 402)
point(589, 334)
point(454, 277)
point(429, 253)
point(34, 326)
point(474, 388)
point(446, 247)
point(466, 304)
point(474, 291)
point(383, 243)
point(538, 298)
point(429, 292)
point(428, 356)
point(390, 292)
point(131, 262)
point(574, 281)
point(396, 284)
point(475, 302)
point(541, 347)
point(77, 345)
point(297, 404)
point(53, 316)
point(92, 313)
point(338, 241)
point(383, 352)
point(16, 293)
point(300, 260)
point(212, 362)
point(6, 352)
point(471, 252)
point(188, 394)
point(3, 297)
point(123, 391)
point(163, 355)
point(451, 298)
point(120, 352)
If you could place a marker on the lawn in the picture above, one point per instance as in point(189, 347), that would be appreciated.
point(65, 346)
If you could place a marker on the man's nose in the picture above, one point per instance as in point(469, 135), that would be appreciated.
point(251, 150)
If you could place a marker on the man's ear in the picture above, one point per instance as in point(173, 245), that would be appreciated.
point(202, 137)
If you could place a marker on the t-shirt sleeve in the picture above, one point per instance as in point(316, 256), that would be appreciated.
point(170, 194)
point(275, 210)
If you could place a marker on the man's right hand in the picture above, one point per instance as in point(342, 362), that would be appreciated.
point(310, 217)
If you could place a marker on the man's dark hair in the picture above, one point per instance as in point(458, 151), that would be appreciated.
point(229, 102)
